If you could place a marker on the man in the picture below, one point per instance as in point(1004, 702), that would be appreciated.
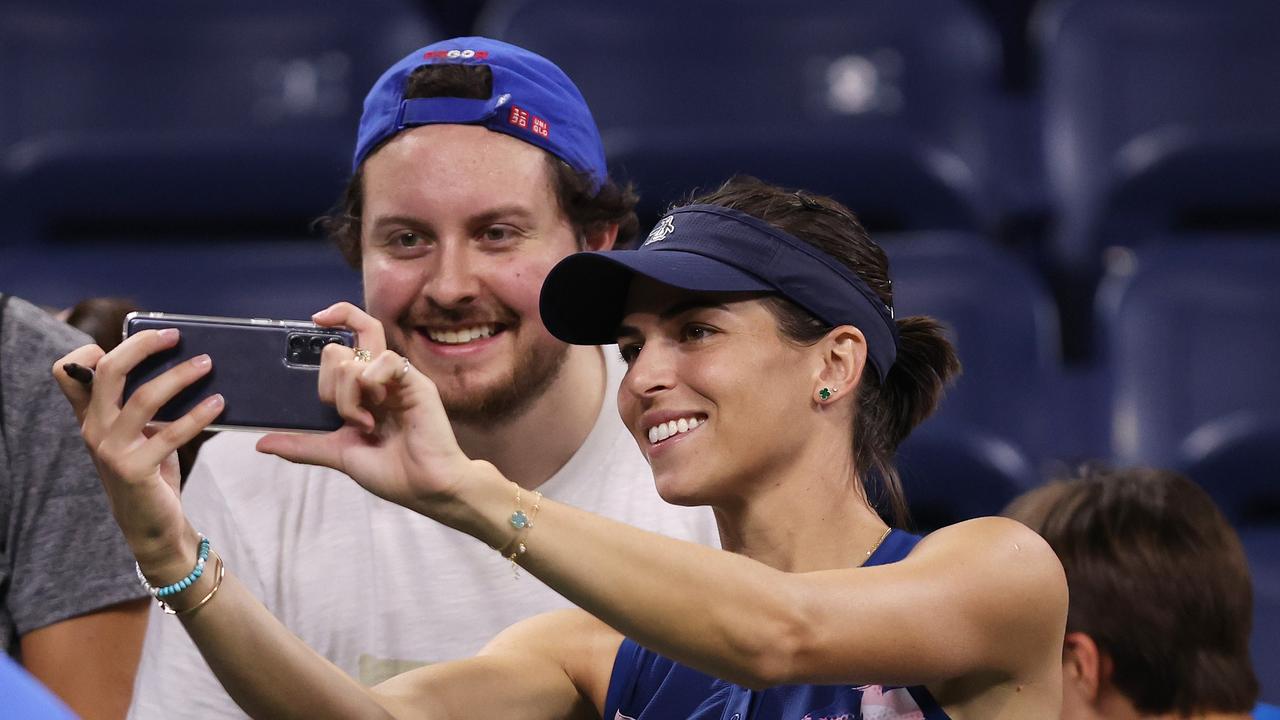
point(1161, 601)
point(71, 610)
point(477, 168)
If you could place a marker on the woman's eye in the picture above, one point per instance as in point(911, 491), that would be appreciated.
point(629, 352)
point(697, 332)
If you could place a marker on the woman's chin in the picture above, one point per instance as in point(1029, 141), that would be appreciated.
point(678, 491)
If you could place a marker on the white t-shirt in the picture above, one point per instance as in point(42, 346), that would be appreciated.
point(374, 587)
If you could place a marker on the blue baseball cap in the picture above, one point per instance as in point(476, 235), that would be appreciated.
point(533, 100)
point(708, 248)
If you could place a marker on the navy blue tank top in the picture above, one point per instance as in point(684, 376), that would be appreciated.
point(647, 686)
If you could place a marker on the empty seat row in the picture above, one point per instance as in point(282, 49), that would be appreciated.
point(1157, 115)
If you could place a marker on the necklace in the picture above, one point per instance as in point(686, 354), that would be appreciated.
point(875, 547)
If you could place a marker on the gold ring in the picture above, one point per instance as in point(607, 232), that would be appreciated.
point(362, 355)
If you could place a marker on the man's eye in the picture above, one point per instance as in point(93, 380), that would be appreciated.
point(498, 233)
point(407, 240)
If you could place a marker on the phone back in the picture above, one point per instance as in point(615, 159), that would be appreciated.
point(266, 370)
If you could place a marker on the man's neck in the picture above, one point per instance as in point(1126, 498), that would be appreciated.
point(533, 446)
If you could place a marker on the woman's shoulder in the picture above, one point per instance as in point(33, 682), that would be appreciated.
point(993, 539)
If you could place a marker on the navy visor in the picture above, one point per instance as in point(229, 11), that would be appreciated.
point(708, 248)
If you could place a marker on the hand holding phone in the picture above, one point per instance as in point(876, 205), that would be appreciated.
point(266, 370)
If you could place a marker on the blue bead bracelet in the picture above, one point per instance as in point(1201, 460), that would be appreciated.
point(202, 556)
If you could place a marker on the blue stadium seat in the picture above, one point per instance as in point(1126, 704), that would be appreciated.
point(270, 278)
point(158, 118)
point(1262, 547)
point(1191, 335)
point(852, 98)
point(1161, 117)
point(952, 473)
point(1004, 326)
point(1237, 459)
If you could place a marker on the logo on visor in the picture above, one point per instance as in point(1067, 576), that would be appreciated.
point(661, 231)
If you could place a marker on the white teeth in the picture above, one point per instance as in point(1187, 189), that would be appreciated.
point(458, 337)
point(662, 431)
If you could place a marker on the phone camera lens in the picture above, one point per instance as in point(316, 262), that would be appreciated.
point(317, 344)
point(297, 342)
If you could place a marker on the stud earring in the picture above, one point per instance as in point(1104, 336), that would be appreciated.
point(824, 393)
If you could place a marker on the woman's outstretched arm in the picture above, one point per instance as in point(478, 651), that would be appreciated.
point(986, 596)
point(265, 668)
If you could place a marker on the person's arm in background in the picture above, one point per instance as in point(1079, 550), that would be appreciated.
point(89, 661)
point(72, 599)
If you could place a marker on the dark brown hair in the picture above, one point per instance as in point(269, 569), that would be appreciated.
point(925, 363)
point(1158, 579)
point(587, 212)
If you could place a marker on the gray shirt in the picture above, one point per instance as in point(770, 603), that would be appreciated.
point(61, 554)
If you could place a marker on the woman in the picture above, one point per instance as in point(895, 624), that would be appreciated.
point(758, 330)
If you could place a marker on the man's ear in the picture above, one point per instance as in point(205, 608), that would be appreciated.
point(1083, 665)
point(843, 360)
point(603, 238)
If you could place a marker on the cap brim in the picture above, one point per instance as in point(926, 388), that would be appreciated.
point(584, 295)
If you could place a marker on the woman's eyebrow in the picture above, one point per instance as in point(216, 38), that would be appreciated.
point(676, 309)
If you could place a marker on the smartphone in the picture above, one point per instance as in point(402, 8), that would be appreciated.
point(266, 370)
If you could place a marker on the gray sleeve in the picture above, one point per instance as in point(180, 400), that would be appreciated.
point(62, 553)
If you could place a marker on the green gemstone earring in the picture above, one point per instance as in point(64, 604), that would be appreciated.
point(824, 393)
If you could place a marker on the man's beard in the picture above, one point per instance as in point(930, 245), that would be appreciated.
point(532, 374)
point(530, 377)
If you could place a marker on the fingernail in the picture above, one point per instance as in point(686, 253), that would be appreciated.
point(201, 361)
point(79, 373)
point(213, 401)
point(169, 334)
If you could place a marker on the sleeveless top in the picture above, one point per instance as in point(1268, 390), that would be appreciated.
point(647, 686)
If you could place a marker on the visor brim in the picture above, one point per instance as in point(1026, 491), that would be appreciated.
point(584, 296)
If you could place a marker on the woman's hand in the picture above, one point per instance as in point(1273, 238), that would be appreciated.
point(139, 464)
point(397, 442)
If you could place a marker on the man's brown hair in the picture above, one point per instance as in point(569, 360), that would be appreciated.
point(1158, 579)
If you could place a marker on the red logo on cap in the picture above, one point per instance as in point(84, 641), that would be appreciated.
point(455, 54)
point(522, 119)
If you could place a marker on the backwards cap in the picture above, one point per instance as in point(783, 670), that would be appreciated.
point(533, 100)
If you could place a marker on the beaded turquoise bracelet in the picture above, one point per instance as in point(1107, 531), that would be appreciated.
point(202, 556)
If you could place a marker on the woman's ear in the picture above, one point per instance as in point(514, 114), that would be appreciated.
point(843, 358)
